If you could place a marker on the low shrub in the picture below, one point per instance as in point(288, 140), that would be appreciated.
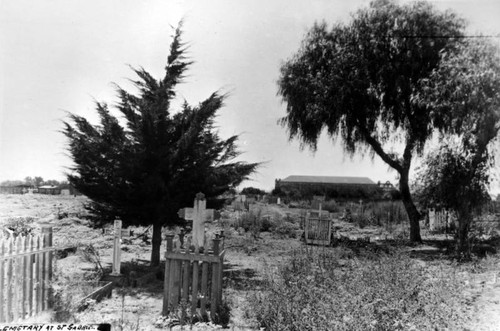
point(317, 290)
point(286, 229)
point(362, 220)
point(19, 225)
point(331, 206)
point(389, 212)
point(266, 224)
point(251, 222)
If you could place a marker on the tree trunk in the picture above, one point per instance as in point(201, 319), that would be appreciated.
point(462, 236)
point(411, 210)
point(156, 243)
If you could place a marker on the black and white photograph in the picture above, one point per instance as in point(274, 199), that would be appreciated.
point(250, 165)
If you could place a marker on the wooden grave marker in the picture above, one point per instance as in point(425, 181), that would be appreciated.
point(118, 233)
point(318, 227)
point(199, 214)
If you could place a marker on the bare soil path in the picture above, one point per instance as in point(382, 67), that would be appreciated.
point(487, 308)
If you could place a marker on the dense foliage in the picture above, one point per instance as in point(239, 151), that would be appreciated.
point(146, 170)
point(252, 191)
point(360, 82)
point(465, 91)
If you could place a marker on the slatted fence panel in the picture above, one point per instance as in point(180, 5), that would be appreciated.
point(193, 279)
point(25, 275)
point(317, 228)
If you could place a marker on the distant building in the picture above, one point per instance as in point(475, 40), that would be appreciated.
point(16, 189)
point(49, 189)
point(306, 187)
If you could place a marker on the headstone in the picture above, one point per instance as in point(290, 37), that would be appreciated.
point(188, 214)
point(432, 219)
point(238, 205)
point(117, 248)
point(279, 201)
point(198, 214)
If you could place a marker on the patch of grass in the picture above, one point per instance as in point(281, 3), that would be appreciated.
point(67, 291)
point(319, 290)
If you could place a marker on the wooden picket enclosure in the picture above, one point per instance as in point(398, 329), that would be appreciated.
point(193, 277)
point(318, 227)
point(440, 220)
point(25, 275)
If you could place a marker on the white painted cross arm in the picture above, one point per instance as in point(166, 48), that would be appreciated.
point(188, 214)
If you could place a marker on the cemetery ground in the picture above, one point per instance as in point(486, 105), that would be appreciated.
point(271, 278)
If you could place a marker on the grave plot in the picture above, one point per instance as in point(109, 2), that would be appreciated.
point(193, 267)
point(318, 227)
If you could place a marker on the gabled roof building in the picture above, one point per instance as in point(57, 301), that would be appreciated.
point(329, 186)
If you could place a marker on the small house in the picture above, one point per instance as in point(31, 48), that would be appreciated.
point(49, 189)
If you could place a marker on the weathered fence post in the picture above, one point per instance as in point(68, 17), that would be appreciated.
point(32, 279)
point(2, 286)
point(166, 285)
point(47, 277)
point(26, 281)
point(117, 249)
point(215, 280)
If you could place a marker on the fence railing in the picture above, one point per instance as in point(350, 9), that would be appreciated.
point(25, 275)
point(440, 220)
point(193, 277)
point(318, 228)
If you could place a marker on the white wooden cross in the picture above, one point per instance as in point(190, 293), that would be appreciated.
point(432, 219)
point(118, 233)
point(198, 214)
point(117, 248)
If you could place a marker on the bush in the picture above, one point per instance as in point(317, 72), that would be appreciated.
point(20, 225)
point(251, 222)
point(388, 212)
point(330, 206)
point(362, 220)
point(316, 290)
point(286, 229)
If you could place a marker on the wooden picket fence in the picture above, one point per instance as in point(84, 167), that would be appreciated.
point(25, 275)
point(318, 228)
point(440, 220)
point(194, 278)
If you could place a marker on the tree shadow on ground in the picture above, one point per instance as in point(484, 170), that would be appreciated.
point(138, 277)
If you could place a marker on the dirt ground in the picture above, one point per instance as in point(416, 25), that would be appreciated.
point(247, 260)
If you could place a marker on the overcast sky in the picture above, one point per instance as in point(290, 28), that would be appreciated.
point(61, 55)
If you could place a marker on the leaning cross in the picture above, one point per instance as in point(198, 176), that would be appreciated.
point(198, 214)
